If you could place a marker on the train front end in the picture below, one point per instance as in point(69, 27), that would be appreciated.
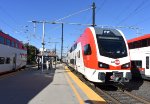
point(113, 61)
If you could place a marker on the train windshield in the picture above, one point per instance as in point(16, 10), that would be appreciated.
point(111, 46)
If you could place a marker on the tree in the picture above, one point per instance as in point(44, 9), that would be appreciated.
point(32, 52)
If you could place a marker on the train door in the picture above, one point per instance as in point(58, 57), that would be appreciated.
point(79, 59)
point(14, 61)
point(147, 68)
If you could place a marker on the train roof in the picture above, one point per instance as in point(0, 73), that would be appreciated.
point(146, 36)
point(8, 36)
point(100, 30)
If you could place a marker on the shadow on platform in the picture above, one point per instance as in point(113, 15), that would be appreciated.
point(24, 86)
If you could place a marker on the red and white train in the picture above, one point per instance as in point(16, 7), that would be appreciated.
point(140, 54)
point(101, 55)
point(13, 55)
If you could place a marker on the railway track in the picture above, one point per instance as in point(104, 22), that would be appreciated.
point(112, 94)
point(119, 96)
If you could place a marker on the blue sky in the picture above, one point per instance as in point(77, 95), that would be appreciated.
point(16, 14)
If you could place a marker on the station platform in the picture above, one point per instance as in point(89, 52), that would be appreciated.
point(65, 88)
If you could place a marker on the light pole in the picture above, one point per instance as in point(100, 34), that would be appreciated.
point(62, 40)
point(43, 43)
point(43, 36)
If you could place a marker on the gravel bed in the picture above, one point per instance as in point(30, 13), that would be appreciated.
point(139, 87)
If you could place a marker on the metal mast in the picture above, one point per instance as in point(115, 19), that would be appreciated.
point(93, 14)
point(43, 42)
point(62, 40)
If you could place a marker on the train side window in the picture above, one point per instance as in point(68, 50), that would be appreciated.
point(16, 45)
point(13, 44)
point(136, 64)
point(148, 41)
point(2, 60)
point(131, 45)
point(147, 62)
point(87, 49)
point(22, 47)
point(144, 43)
point(137, 44)
point(78, 53)
point(7, 42)
point(71, 50)
point(1, 40)
point(75, 46)
point(7, 60)
point(72, 61)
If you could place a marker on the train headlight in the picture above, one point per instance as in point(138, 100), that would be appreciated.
point(103, 65)
point(125, 66)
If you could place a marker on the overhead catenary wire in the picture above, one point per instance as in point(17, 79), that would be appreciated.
point(8, 14)
point(101, 6)
point(72, 14)
point(133, 12)
point(10, 17)
point(125, 9)
point(121, 27)
point(142, 21)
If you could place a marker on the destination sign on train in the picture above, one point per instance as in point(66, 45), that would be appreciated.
point(104, 37)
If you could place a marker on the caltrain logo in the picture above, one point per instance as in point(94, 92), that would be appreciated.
point(117, 62)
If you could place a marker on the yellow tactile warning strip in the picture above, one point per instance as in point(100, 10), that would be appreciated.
point(80, 100)
point(93, 97)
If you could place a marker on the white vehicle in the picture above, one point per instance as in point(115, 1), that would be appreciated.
point(13, 55)
point(140, 55)
point(101, 55)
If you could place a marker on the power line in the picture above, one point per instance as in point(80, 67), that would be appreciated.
point(137, 29)
point(101, 6)
point(130, 4)
point(10, 16)
point(143, 21)
point(133, 12)
point(73, 14)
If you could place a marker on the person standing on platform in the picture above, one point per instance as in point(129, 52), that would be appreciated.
point(47, 64)
point(50, 63)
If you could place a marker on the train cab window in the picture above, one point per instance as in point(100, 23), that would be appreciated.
point(1, 40)
point(2, 60)
point(87, 49)
point(8, 42)
point(147, 62)
point(7, 60)
point(13, 44)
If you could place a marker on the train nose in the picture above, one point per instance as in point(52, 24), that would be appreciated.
point(115, 78)
point(118, 77)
